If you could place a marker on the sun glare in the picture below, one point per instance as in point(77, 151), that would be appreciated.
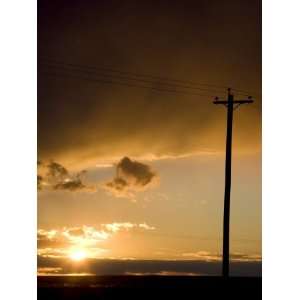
point(78, 255)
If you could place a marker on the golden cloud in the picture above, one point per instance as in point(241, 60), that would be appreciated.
point(59, 242)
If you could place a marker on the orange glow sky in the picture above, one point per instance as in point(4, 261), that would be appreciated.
point(135, 173)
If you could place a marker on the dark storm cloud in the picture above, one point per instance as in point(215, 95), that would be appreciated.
point(81, 121)
point(131, 176)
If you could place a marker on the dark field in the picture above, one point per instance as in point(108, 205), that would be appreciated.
point(148, 287)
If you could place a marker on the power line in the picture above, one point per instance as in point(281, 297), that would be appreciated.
point(64, 67)
point(123, 83)
point(141, 76)
point(131, 73)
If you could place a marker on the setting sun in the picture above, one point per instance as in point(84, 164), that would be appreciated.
point(78, 255)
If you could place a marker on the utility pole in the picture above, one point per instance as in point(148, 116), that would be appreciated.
point(231, 105)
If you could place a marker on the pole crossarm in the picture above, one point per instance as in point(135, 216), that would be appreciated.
point(234, 101)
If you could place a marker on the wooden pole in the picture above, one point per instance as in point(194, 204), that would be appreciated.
point(229, 103)
point(226, 223)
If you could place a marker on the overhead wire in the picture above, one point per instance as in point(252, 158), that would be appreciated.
point(167, 83)
point(113, 74)
point(98, 80)
point(166, 79)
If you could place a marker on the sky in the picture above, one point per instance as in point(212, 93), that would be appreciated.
point(129, 171)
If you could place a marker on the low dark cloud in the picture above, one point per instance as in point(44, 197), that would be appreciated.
point(131, 176)
point(146, 267)
point(57, 177)
point(56, 170)
point(141, 173)
point(208, 256)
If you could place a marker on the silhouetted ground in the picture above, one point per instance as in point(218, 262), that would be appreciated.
point(147, 287)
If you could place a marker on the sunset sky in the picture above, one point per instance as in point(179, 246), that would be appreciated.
point(136, 173)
